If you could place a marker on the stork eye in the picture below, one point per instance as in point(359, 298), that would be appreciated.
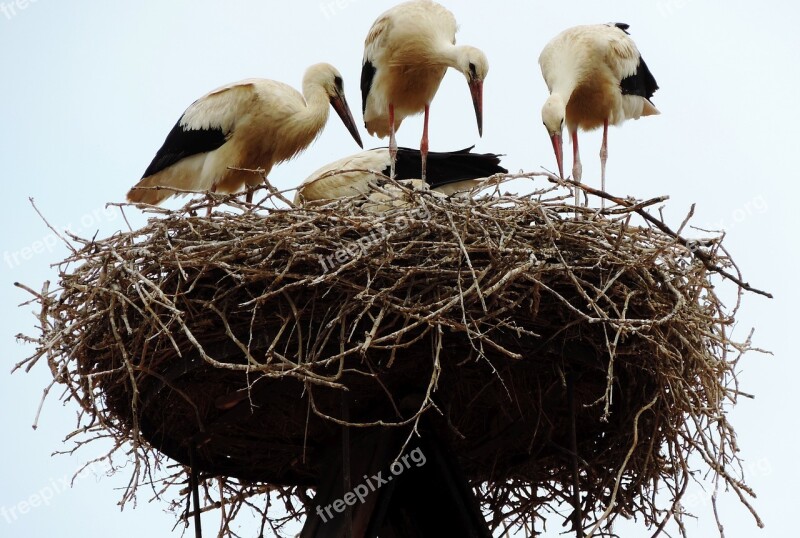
point(338, 82)
point(473, 71)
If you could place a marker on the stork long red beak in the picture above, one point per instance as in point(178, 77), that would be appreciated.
point(558, 148)
point(339, 104)
point(476, 89)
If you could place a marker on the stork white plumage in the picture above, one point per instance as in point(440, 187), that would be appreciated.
point(406, 54)
point(449, 173)
point(251, 124)
point(596, 77)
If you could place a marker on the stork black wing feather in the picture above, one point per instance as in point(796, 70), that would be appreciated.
point(623, 26)
point(641, 83)
point(367, 75)
point(447, 166)
point(182, 142)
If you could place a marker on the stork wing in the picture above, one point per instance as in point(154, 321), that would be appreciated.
point(635, 77)
point(204, 126)
point(182, 142)
point(447, 167)
point(373, 41)
point(367, 74)
point(641, 83)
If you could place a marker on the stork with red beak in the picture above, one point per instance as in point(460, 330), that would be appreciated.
point(252, 124)
point(406, 54)
point(596, 77)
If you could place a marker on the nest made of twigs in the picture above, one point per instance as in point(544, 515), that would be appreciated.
point(240, 332)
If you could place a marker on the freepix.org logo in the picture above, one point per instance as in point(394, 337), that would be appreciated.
point(371, 484)
point(12, 9)
point(361, 246)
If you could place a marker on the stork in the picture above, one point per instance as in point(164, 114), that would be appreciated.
point(254, 123)
point(596, 77)
point(406, 54)
point(448, 172)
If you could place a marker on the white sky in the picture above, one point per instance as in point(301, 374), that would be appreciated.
point(91, 89)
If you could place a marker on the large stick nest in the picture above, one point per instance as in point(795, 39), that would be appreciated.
point(241, 332)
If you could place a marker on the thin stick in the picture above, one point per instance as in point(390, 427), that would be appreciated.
point(612, 503)
point(701, 255)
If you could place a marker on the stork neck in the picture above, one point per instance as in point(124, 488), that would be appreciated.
point(317, 106)
point(451, 54)
point(564, 83)
point(563, 87)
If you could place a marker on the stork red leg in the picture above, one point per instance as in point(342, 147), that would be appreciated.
point(392, 140)
point(577, 168)
point(423, 147)
point(603, 158)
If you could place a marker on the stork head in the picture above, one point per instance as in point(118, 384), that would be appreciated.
point(553, 113)
point(329, 78)
point(475, 66)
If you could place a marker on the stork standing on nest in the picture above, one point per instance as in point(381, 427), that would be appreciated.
point(596, 77)
point(449, 172)
point(255, 123)
point(406, 54)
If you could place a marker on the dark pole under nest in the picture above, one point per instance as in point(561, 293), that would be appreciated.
point(347, 482)
point(577, 514)
point(426, 500)
point(194, 484)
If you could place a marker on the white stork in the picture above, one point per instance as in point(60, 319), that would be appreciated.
point(596, 76)
point(250, 124)
point(448, 173)
point(406, 53)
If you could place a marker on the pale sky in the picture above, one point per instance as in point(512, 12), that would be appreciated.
point(90, 90)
